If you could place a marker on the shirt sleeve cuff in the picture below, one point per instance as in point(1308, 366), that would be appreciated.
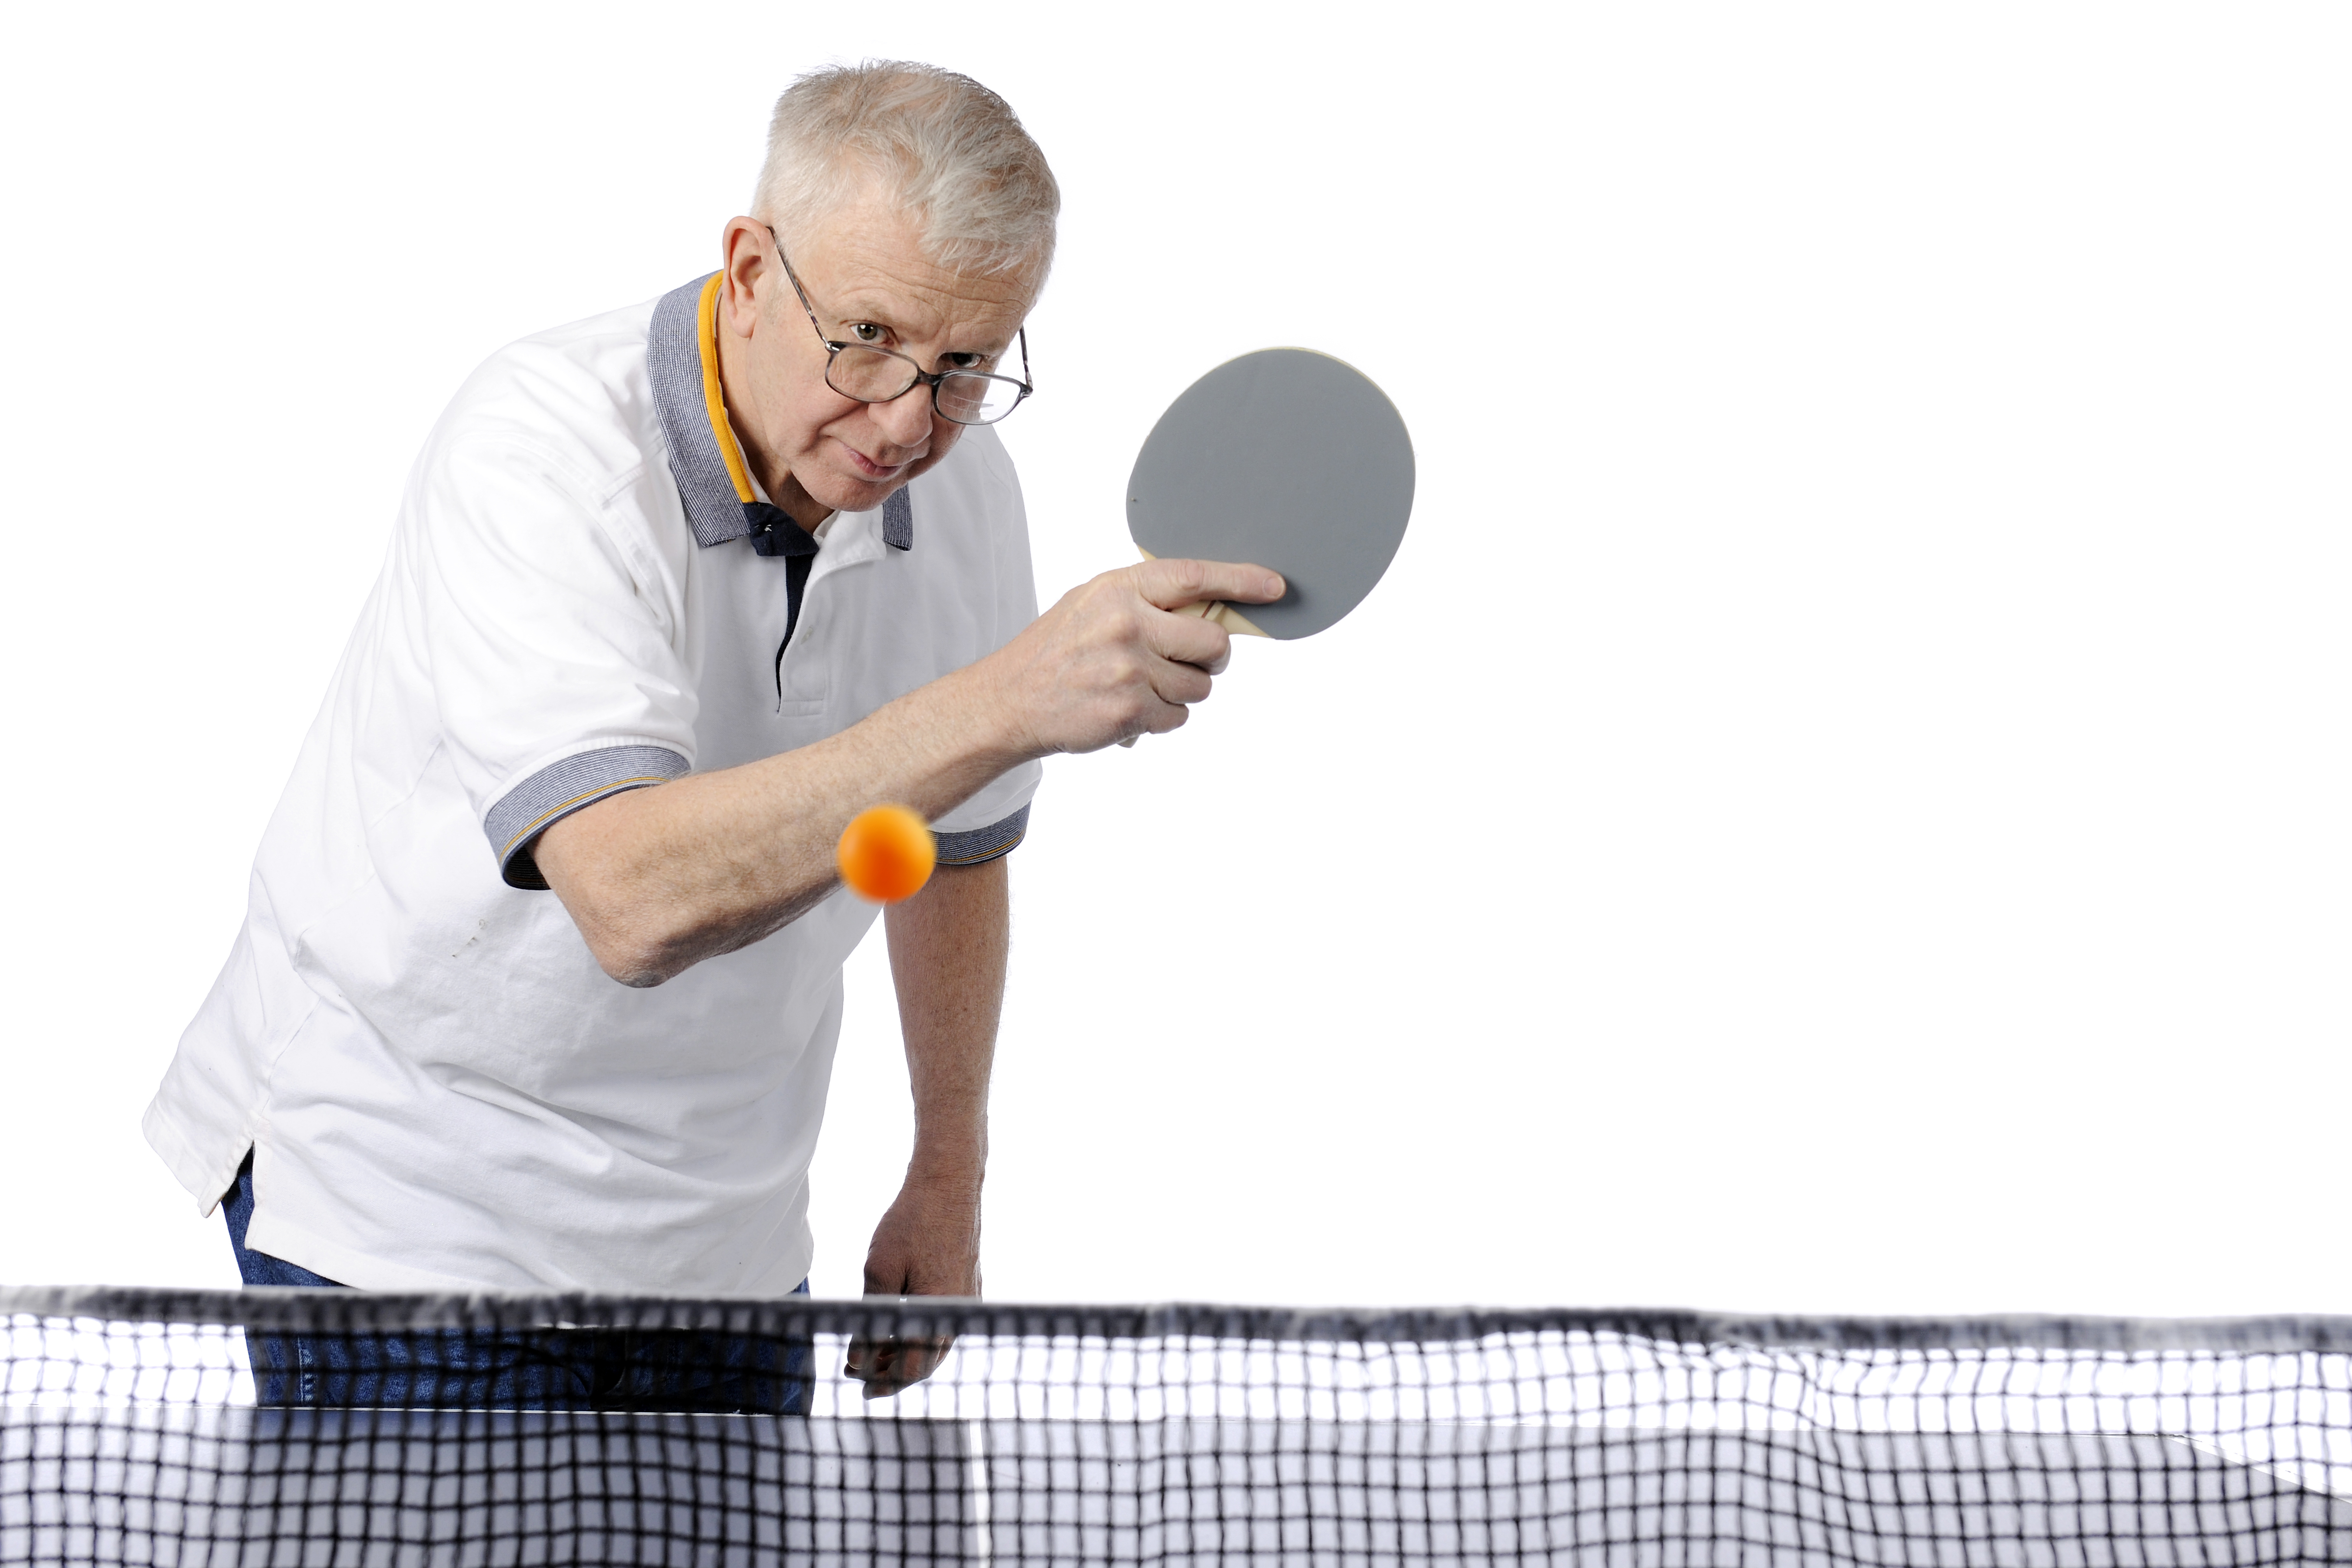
point(983, 843)
point(561, 788)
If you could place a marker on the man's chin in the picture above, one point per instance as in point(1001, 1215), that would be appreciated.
point(846, 492)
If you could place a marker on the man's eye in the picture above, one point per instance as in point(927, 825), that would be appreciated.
point(965, 362)
point(865, 332)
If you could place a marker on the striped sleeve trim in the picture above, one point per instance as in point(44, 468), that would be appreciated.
point(983, 843)
point(558, 790)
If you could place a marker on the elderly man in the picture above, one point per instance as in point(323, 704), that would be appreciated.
point(540, 979)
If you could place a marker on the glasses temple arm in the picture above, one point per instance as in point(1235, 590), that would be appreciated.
point(793, 278)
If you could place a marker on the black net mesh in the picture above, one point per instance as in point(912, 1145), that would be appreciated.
point(329, 1428)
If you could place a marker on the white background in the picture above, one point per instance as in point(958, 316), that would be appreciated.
point(1841, 802)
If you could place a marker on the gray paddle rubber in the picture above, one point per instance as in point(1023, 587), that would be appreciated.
point(1286, 459)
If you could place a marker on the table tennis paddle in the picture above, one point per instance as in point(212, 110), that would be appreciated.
point(1286, 458)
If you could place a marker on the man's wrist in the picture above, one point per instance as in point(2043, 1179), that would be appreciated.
point(962, 1169)
point(1001, 732)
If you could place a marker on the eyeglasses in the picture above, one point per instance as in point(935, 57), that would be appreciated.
point(880, 375)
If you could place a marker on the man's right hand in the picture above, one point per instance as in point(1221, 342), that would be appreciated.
point(1109, 662)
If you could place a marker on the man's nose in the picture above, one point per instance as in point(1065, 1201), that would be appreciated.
point(906, 419)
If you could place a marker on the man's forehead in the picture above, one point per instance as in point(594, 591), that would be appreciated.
point(869, 265)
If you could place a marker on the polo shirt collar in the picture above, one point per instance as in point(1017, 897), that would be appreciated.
point(682, 354)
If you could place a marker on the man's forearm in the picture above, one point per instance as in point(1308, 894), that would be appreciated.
point(658, 880)
point(948, 946)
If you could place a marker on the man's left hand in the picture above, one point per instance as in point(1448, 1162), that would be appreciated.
point(927, 1245)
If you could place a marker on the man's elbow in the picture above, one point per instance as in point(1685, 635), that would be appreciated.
point(641, 933)
point(628, 956)
point(642, 948)
point(625, 946)
point(641, 970)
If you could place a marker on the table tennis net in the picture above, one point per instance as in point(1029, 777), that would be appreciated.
point(329, 1428)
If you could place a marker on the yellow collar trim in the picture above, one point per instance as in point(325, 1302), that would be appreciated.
point(714, 397)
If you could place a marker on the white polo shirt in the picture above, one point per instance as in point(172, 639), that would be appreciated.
point(585, 594)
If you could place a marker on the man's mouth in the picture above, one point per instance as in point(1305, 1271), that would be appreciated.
point(871, 469)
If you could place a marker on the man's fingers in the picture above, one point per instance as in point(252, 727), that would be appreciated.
point(1163, 718)
point(1188, 639)
point(891, 1366)
point(914, 1360)
point(1169, 583)
point(1179, 685)
point(1178, 660)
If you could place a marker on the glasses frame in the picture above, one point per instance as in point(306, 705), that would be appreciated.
point(919, 376)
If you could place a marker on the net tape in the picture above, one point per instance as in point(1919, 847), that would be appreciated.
point(335, 1427)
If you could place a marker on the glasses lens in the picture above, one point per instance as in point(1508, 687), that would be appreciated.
point(978, 399)
point(870, 375)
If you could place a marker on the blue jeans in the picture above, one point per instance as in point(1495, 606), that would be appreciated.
point(508, 1369)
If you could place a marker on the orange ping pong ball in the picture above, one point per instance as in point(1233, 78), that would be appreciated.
point(886, 854)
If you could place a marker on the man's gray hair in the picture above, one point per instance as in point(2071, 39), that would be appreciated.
point(944, 149)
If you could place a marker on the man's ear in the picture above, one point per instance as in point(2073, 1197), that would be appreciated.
point(747, 258)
